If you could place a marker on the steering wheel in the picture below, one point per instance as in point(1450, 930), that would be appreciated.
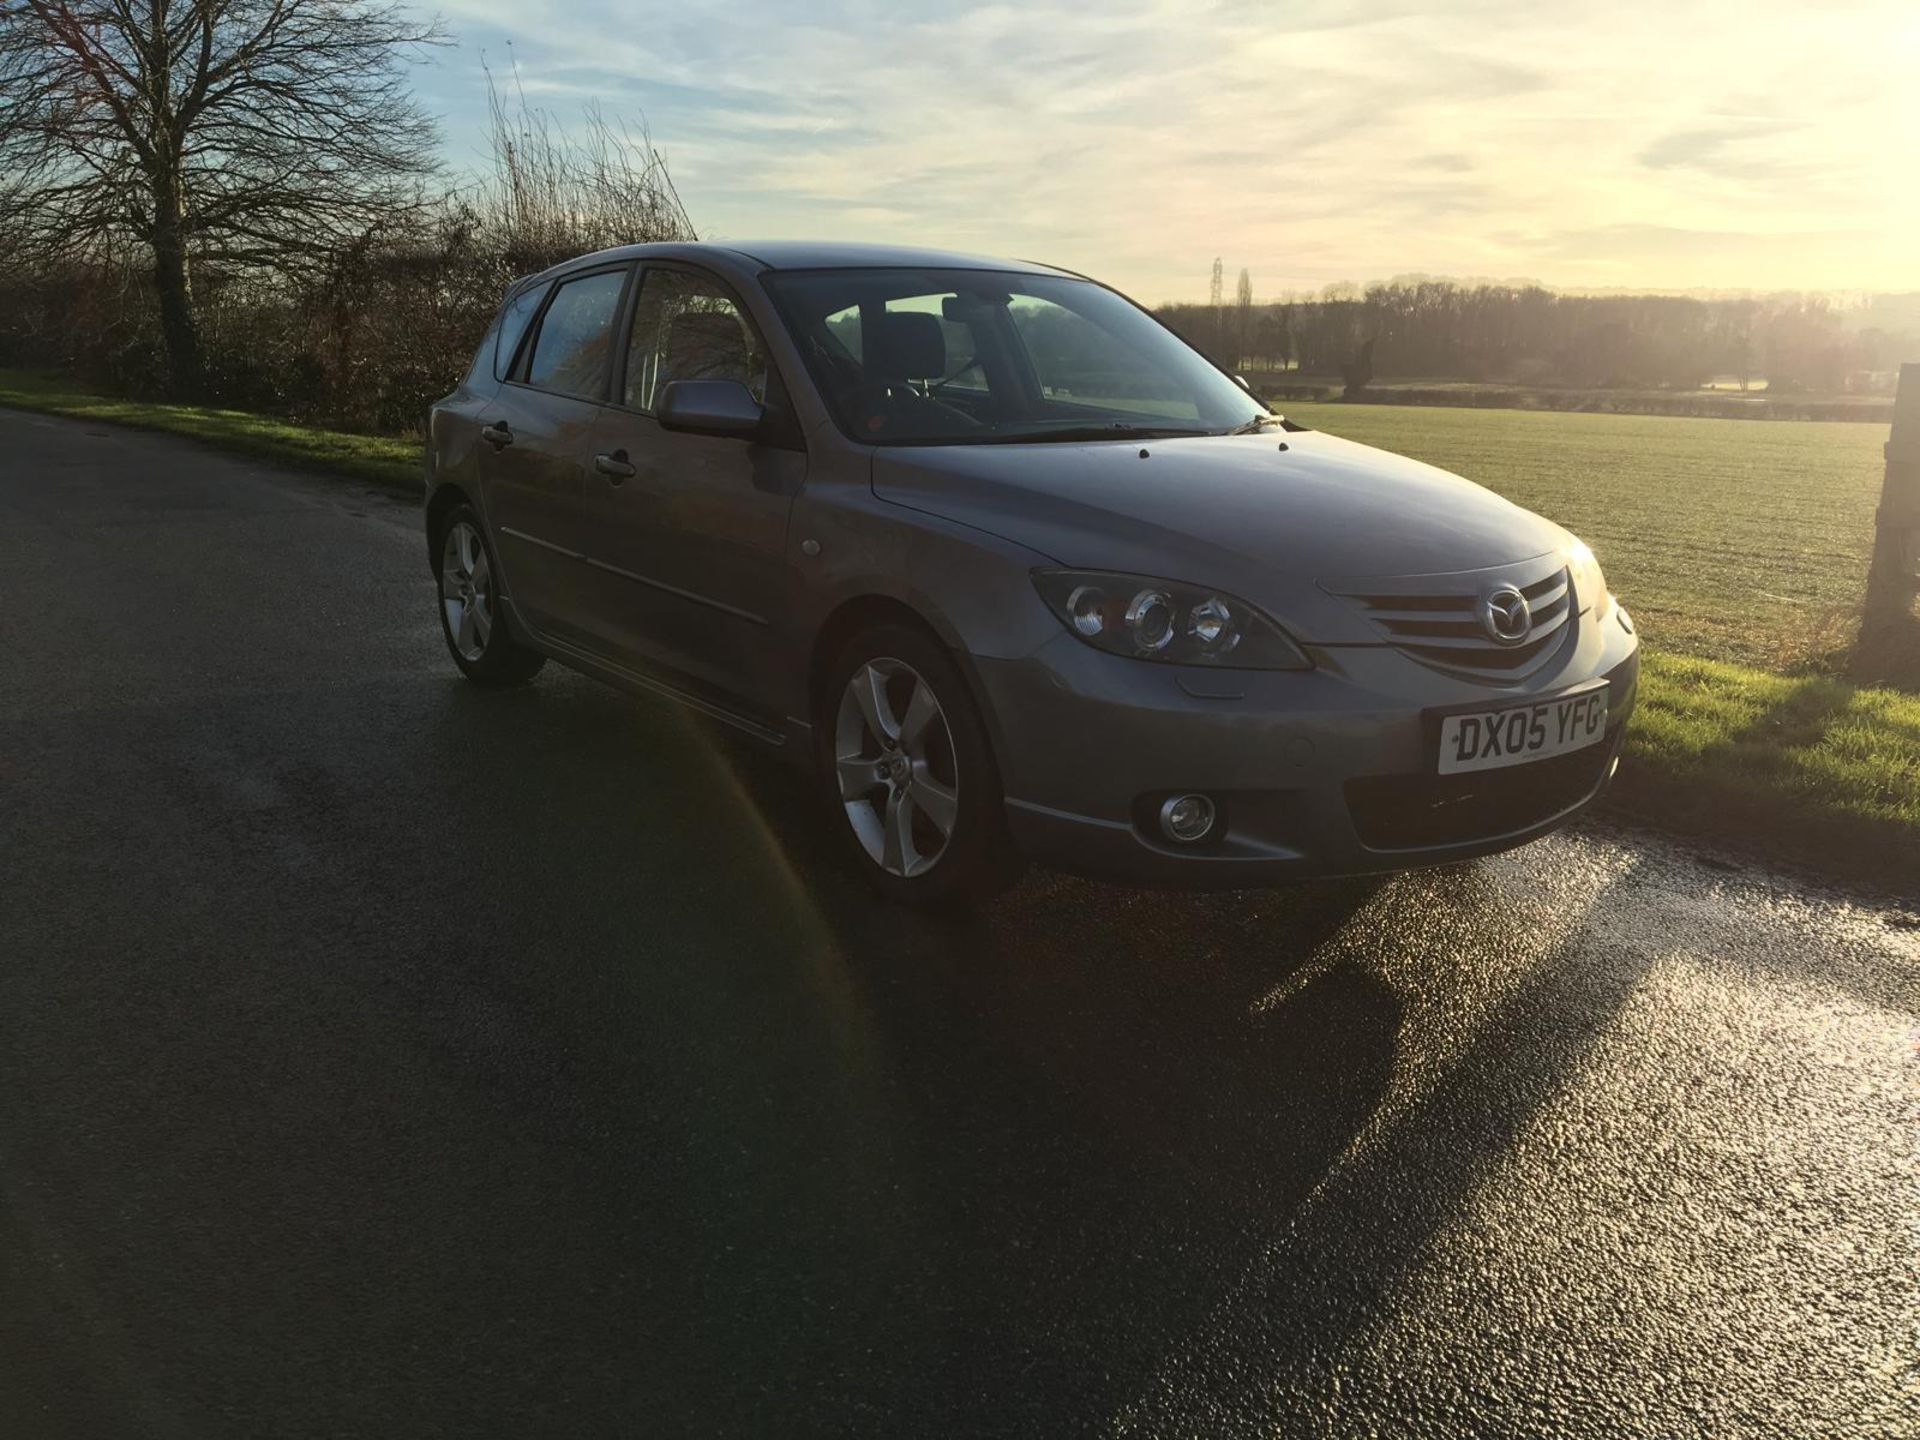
point(882, 404)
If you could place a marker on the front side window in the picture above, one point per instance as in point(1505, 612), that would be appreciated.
point(575, 343)
point(943, 357)
point(687, 327)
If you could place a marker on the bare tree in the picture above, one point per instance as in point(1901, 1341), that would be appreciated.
point(556, 192)
point(243, 134)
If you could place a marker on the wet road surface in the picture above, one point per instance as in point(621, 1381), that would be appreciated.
point(383, 1056)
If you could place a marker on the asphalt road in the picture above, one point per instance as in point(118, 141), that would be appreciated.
point(382, 1056)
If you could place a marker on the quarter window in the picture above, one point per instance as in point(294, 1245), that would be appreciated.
point(575, 342)
point(513, 324)
point(687, 327)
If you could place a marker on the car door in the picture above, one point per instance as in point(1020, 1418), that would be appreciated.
point(536, 450)
point(692, 541)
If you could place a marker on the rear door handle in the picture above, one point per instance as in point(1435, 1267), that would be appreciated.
point(616, 467)
point(499, 434)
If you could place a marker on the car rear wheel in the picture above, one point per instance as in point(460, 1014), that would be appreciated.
point(908, 775)
point(471, 616)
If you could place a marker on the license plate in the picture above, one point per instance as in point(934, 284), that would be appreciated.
point(1516, 734)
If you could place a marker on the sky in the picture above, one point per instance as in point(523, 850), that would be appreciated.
point(1751, 146)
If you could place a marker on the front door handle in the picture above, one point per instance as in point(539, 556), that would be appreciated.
point(499, 434)
point(616, 467)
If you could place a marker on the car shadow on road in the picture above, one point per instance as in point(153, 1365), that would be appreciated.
point(1110, 1128)
point(1002, 1157)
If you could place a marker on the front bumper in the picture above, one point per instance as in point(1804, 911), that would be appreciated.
point(1321, 772)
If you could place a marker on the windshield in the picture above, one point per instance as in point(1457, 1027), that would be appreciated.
point(946, 357)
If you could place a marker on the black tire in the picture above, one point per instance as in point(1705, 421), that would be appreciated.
point(482, 644)
point(977, 860)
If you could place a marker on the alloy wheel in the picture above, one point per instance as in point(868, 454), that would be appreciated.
point(466, 590)
point(895, 763)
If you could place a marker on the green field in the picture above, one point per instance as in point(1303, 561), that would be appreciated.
point(1738, 540)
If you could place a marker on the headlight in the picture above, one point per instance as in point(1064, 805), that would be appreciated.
point(1163, 620)
point(1589, 585)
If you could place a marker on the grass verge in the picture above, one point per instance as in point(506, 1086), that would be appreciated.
point(1804, 768)
point(392, 463)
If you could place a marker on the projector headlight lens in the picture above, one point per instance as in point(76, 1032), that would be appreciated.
point(1150, 621)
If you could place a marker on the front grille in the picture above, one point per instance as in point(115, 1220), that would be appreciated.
point(1417, 812)
point(1435, 619)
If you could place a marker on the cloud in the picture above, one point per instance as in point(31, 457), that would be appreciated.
point(1748, 150)
point(1138, 139)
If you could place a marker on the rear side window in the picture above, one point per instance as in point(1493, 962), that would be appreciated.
point(575, 343)
point(512, 325)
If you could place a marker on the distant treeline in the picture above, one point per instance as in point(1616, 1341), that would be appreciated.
point(1531, 336)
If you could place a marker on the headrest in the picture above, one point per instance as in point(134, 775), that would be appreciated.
point(706, 344)
point(909, 345)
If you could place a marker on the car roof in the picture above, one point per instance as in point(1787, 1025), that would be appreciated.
point(805, 255)
point(833, 255)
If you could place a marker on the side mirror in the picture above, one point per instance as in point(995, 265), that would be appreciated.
point(711, 407)
point(1242, 382)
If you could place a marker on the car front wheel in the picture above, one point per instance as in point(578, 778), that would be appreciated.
point(910, 782)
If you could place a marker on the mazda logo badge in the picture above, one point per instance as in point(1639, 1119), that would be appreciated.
point(1505, 615)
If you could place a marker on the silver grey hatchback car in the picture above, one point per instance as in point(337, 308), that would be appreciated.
point(1016, 572)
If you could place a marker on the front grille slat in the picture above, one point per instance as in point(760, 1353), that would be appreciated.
point(1477, 643)
point(1547, 592)
point(1548, 617)
point(1410, 607)
point(1468, 630)
point(1435, 619)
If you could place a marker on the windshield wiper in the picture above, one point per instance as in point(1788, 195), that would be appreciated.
point(1255, 425)
point(1074, 433)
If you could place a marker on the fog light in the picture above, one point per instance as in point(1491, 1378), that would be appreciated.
point(1187, 818)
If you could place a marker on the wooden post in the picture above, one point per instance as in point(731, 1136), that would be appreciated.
point(1889, 631)
point(1900, 496)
